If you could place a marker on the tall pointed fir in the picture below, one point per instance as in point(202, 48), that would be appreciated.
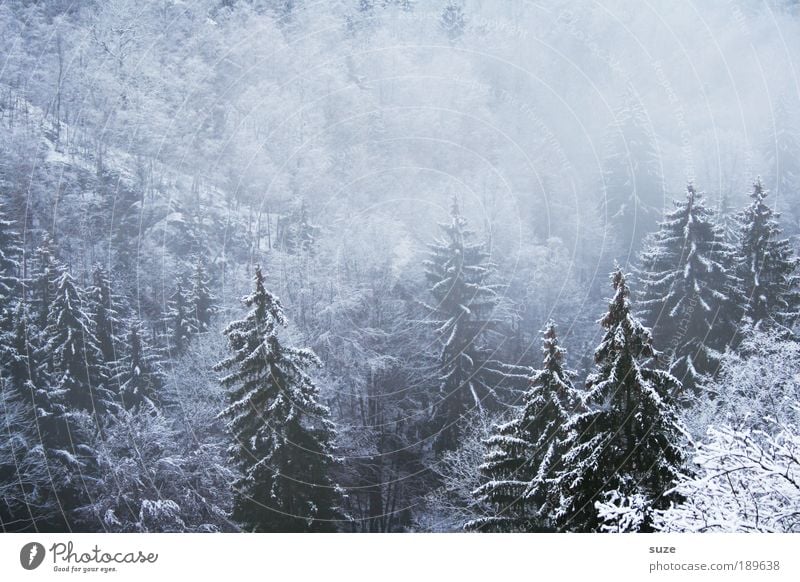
point(282, 435)
point(179, 324)
point(767, 265)
point(137, 373)
point(74, 352)
point(625, 442)
point(40, 284)
point(20, 365)
point(104, 317)
point(71, 400)
point(201, 300)
point(10, 252)
point(726, 219)
point(690, 294)
point(458, 270)
point(524, 454)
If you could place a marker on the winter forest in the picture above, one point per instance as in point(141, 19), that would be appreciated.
point(399, 266)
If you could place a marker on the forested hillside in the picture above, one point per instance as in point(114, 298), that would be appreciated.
point(394, 265)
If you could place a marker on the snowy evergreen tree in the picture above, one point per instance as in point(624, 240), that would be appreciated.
point(67, 396)
point(726, 219)
point(525, 453)
point(458, 270)
point(19, 359)
point(624, 444)
point(179, 320)
point(767, 265)
point(29, 421)
point(41, 281)
point(24, 479)
point(201, 301)
point(10, 252)
point(282, 435)
point(74, 352)
point(138, 377)
point(104, 316)
point(43, 439)
point(690, 293)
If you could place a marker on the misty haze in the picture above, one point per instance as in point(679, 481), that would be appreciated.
point(399, 266)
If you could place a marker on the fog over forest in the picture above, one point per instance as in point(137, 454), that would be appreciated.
point(399, 266)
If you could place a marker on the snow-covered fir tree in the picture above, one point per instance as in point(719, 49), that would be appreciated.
point(179, 320)
point(10, 252)
point(104, 316)
point(282, 434)
point(138, 376)
point(624, 446)
point(31, 420)
point(202, 304)
point(768, 267)
point(24, 479)
point(726, 219)
point(40, 283)
point(458, 270)
point(73, 351)
point(20, 366)
point(69, 400)
point(690, 294)
point(525, 453)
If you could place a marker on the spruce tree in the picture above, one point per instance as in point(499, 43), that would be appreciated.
point(40, 285)
point(201, 300)
point(27, 500)
point(282, 435)
point(624, 442)
point(19, 359)
point(72, 401)
point(73, 349)
point(458, 270)
point(767, 265)
point(525, 453)
point(138, 377)
point(726, 219)
point(179, 323)
point(10, 251)
point(691, 296)
point(104, 316)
